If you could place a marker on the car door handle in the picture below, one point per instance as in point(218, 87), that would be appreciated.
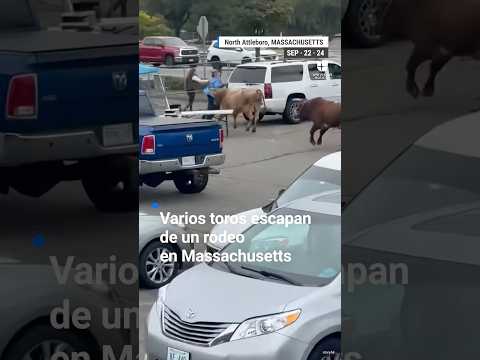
point(335, 85)
point(313, 85)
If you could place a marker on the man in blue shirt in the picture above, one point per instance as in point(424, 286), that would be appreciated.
point(214, 83)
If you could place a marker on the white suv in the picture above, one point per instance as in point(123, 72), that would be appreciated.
point(238, 55)
point(283, 83)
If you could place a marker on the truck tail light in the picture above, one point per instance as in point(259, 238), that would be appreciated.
point(22, 97)
point(267, 91)
point(221, 137)
point(148, 145)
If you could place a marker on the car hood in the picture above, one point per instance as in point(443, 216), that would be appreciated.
point(234, 228)
point(218, 296)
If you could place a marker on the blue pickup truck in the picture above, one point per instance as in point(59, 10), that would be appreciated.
point(177, 148)
point(68, 112)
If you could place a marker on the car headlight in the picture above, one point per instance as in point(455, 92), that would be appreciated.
point(265, 325)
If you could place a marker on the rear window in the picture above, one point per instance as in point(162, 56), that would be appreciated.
point(287, 73)
point(254, 75)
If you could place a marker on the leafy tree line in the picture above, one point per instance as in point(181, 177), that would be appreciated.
point(242, 17)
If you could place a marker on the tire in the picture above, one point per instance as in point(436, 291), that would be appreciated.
point(112, 186)
point(149, 262)
point(327, 349)
point(362, 20)
point(290, 114)
point(30, 343)
point(215, 59)
point(169, 61)
point(191, 182)
point(246, 60)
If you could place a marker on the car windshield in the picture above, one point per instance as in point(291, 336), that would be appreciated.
point(313, 181)
point(314, 249)
point(249, 74)
point(173, 42)
point(419, 182)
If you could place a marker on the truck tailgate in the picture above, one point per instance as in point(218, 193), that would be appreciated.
point(186, 138)
point(85, 82)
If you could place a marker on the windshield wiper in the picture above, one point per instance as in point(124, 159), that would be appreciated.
point(232, 270)
point(272, 275)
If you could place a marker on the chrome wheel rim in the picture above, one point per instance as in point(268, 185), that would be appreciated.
point(294, 111)
point(46, 349)
point(159, 271)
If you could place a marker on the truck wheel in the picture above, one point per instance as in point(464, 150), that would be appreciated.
point(153, 272)
point(291, 114)
point(112, 186)
point(191, 182)
point(169, 60)
point(362, 20)
point(42, 342)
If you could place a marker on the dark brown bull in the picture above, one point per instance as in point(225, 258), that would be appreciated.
point(323, 113)
point(439, 29)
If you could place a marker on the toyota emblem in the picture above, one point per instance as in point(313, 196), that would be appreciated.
point(189, 138)
point(190, 314)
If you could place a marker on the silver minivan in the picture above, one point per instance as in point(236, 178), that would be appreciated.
point(259, 310)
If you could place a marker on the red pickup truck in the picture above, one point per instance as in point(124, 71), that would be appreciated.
point(167, 50)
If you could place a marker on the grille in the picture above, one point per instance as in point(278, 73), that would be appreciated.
point(199, 333)
point(189, 52)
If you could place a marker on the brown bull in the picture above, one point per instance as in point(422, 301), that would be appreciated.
point(439, 29)
point(242, 101)
point(323, 113)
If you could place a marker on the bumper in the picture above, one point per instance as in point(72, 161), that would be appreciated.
point(268, 347)
point(187, 59)
point(160, 166)
point(275, 106)
point(17, 149)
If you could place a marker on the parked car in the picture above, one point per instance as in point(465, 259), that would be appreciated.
point(283, 83)
point(362, 21)
point(421, 212)
point(154, 271)
point(64, 115)
point(175, 148)
point(30, 293)
point(238, 55)
point(167, 50)
point(259, 310)
point(322, 176)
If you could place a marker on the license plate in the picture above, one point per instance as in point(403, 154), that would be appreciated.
point(114, 135)
point(188, 160)
point(191, 60)
point(174, 354)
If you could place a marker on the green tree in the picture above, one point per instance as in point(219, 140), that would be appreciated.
point(177, 12)
point(152, 25)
